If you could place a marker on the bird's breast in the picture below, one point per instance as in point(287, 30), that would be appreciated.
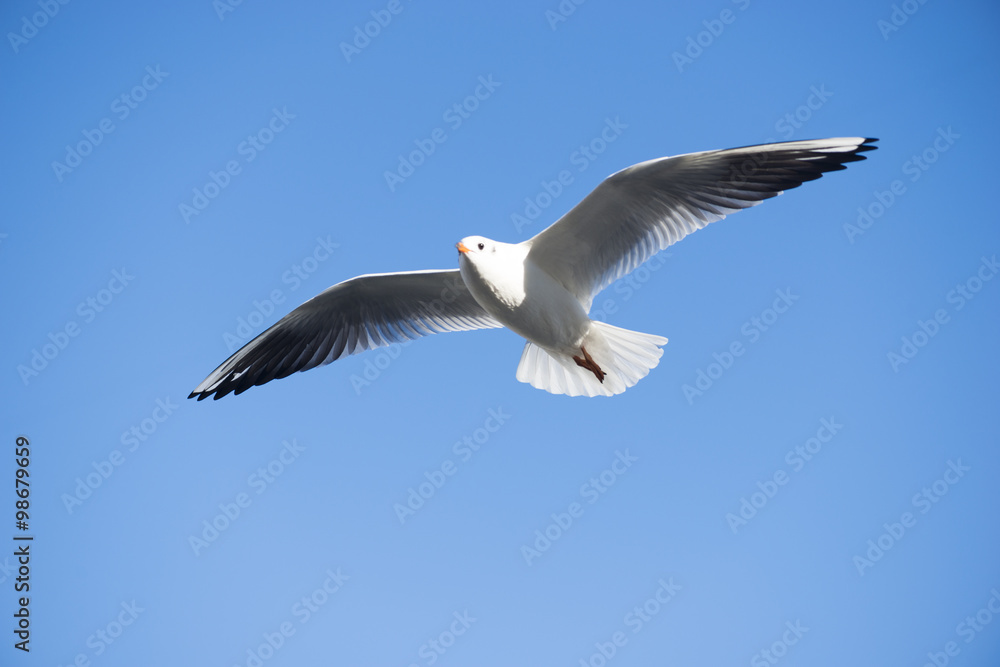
point(531, 303)
point(494, 289)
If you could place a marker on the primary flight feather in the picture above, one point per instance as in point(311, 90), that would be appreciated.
point(542, 288)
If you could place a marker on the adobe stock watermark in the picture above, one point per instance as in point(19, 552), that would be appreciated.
point(968, 629)
point(700, 42)
point(635, 620)
point(122, 107)
point(796, 119)
point(581, 159)
point(363, 35)
point(915, 167)
point(455, 116)
point(224, 7)
point(627, 286)
point(132, 439)
point(437, 477)
point(37, 21)
point(898, 17)
point(302, 610)
point(258, 481)
point(103, 638)
point(376, 363)
point(779, 649)
point(752, 330)
point(295, 276)
point(248, 149)
point(958, 297)
point(562, 12)
point(796, 460)
point(436, 647)
point(787, 124)
point(592, 490)
point(59, 340)
point(924, 500)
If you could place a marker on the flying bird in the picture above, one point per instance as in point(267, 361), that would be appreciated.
point(542, 288)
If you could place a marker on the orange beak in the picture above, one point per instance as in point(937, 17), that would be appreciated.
point(461, 247)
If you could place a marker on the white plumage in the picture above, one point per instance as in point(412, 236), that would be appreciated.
point(542, 288)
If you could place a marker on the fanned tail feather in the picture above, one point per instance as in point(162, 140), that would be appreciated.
point(626, 356)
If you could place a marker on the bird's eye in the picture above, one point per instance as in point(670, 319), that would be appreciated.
point(481, 246)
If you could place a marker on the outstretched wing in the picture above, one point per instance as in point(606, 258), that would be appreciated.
point(353, 316)
point(641, 210)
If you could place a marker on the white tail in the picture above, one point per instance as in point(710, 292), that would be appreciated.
point(626, 356)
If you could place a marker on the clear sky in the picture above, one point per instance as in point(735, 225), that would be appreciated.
point(178, 176)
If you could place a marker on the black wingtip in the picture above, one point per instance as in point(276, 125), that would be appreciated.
point(867, 144)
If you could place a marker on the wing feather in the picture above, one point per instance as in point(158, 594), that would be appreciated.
point(643, 209)
point(359, 314)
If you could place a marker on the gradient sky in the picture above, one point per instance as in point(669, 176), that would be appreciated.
point(179, 176)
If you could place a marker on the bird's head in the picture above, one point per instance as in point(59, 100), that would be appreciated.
point(476, 248)
point(489, 259)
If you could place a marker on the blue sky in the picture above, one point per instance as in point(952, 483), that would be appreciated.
point(178, 178)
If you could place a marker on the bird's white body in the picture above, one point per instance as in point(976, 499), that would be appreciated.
point(542, 288)
point(511, 287)
point(566, 352)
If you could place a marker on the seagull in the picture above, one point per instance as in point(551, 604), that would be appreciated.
point(542, 288)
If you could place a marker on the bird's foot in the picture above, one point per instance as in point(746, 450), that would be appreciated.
point(591, 365)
